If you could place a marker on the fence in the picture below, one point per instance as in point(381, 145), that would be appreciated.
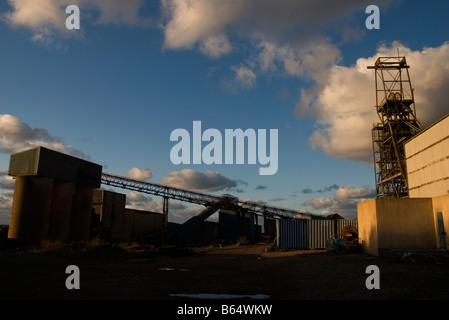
point(309, 234)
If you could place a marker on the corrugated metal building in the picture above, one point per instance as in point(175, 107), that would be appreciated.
point(319, 232)
point(309, 234)
point(291, 233)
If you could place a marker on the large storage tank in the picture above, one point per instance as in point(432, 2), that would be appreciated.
point(52, 196)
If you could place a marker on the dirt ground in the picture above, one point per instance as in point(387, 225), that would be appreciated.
point(244, 271)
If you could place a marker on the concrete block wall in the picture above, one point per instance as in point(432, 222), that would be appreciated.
point(389, 224)
point(440, 205)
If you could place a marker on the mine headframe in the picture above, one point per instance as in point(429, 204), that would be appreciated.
point(395, 106)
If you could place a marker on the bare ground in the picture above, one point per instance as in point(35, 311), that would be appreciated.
point(142, 273)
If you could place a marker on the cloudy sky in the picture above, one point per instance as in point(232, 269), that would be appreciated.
point(113, 91)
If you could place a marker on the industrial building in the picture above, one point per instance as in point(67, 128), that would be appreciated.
point(428, 161)
point(115, 222)
point(53, 196)
point(411, 210)
point(234, 225)
point(57, 197)
point(311, 233)
point(417, 221)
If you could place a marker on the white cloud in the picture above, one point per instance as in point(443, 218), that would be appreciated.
point(7, 183)
point(138, 197)
point(195, 21)
point(177, 211)
point(46, 18)
point(288, 36)
point(348, 192)
point(343, 100)
point(344, 202)
point(207, 181)
point(244, 77)
point(288, 31)
point(216, 46)
point(189, 22)
point(140, 174)
point(319, 203)
point(16, 135)
point(35, 14)
point(308, 60)
point(5, 210)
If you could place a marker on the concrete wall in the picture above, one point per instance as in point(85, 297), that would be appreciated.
point(441, 204)
point(412, 223)
point(47, 209)
point(405, 223)
point(367, 221)
point(118, 223)
point(31, 209)
point(81, 214)
point(111, 208)
point(427, 159)
point(62, 204)
point(388, 224)
point(142, 222)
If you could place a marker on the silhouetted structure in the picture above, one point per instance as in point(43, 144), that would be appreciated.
point(53, 196)
point(395, 106)
point(56, 197)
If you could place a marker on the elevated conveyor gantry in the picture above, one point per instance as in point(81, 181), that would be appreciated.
point(225, 201)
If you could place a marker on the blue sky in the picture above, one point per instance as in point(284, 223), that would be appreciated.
point(114, 90)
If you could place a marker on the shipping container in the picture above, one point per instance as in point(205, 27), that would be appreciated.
point(319, 232)
point(309, 234)
point(291, 233)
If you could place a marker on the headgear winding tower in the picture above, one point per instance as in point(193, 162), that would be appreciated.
point(395, 107)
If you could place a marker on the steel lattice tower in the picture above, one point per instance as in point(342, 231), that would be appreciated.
point(395, 107)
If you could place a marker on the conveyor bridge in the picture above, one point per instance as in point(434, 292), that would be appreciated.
point(225, 201)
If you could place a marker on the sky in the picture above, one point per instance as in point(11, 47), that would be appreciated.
point(113, 91)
